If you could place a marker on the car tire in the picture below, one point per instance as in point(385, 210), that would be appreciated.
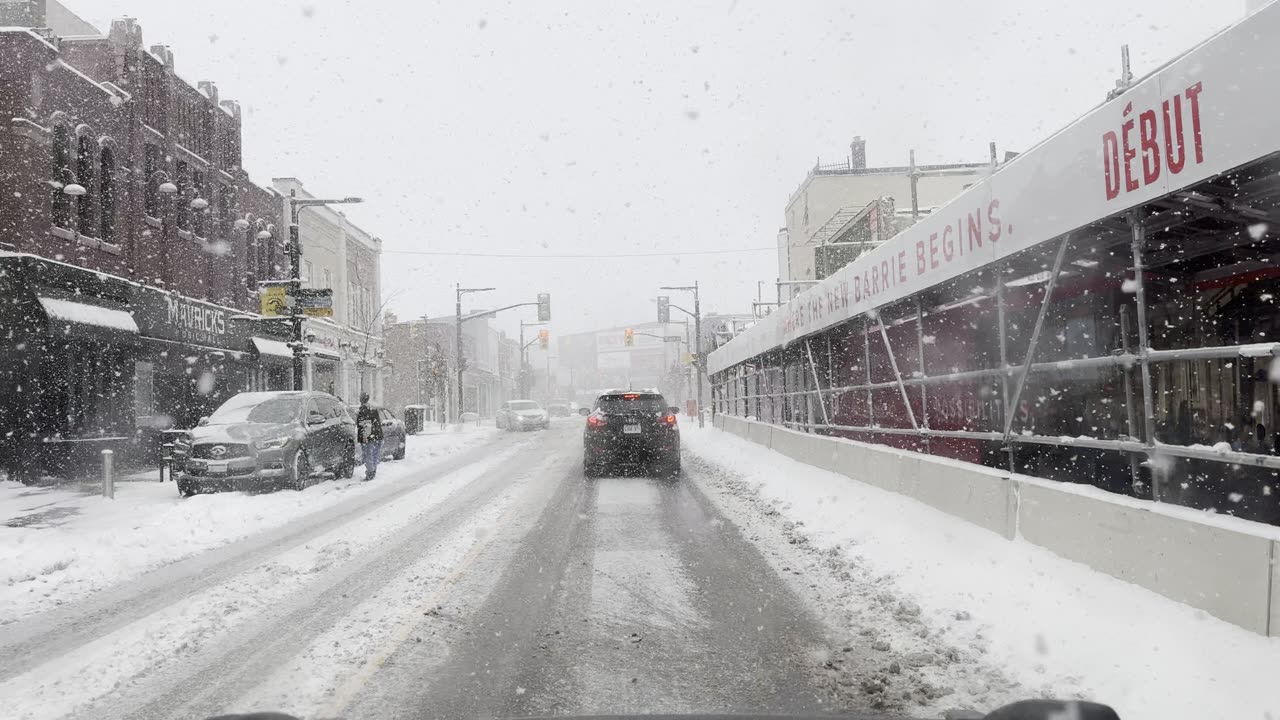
point(590, 469)
point(673, 469)
point(399, 453)
point(299, 473)
point(347, 468)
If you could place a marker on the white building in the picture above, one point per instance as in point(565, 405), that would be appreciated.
point(345, 352)
point(832, 193)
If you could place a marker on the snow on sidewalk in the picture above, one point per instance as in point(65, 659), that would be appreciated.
point(1046, 625)
point(59, 545)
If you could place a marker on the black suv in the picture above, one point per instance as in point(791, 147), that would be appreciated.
point(262, 439)
point(635, 429)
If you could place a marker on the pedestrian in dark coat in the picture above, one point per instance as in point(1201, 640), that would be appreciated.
point(369, 433)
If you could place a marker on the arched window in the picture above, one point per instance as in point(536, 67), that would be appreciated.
point(85, 162)
point(184, 195)
point(150, 166)
point(107, 194)
point(62, 176)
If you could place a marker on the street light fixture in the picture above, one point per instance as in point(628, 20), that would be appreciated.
point(459, 292)
point(697, 337)
point(523, 347)
point(296, 204)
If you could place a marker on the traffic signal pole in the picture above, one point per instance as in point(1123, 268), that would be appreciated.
point(697, 332)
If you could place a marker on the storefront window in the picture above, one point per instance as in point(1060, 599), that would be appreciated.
point(143, 389)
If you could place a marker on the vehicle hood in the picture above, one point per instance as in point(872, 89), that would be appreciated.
point(240, 432)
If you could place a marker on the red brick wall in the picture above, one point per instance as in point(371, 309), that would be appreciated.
point(208, 258)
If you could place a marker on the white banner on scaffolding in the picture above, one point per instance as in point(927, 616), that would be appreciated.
point(1208, 111)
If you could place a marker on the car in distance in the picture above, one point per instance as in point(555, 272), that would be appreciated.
point(393, 432)
point(636, 429)
point(257, 440)
point(558, 409)
point(522, 415)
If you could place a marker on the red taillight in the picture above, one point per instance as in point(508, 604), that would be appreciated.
point(595, 421)
point(669, 419)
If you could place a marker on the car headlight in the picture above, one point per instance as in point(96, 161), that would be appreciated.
point(274, 443)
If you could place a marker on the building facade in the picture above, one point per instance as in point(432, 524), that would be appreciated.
point(833, 193)
point(422, 368)
point(133, 244)
point(345, 352)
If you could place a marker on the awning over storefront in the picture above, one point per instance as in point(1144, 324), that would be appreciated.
point(272, 348)
point(324, 354)
point(85, 314)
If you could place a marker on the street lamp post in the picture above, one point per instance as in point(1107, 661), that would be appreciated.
point(524, 355)
point(697, 337)
point(459, 292)
point(296, 205)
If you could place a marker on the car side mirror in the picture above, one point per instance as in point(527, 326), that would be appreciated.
point(203, 421)
point(315, 418)
point(584, 411)
point(673, 410)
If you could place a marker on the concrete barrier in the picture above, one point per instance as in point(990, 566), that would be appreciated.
point(1275, 589)
point(1226, 573)
point(761, 433)
point(1228, 568)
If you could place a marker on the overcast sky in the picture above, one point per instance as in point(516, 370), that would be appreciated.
point(537, 129)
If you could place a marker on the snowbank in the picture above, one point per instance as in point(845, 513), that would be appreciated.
point(1050, 625)
point(59, 545)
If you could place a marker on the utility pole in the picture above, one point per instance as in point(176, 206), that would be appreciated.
point(524, 354)
point(459, 292)
point(697, 340)
point(295, 272)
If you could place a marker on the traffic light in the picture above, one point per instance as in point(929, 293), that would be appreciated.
point(628, 337)
point(544, 307)
point(664, 309)
point(544, 339)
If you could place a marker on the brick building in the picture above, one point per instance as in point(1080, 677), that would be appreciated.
point(133, 243)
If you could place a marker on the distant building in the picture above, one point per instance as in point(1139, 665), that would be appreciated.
point(832, 194)
point(344, 352)
point(421, 367)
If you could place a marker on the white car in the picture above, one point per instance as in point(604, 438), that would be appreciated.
point(522, 415)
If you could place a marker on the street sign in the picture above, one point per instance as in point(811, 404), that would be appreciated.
point(275, 300)
point(672, 338)
point(316, 302)
point(544, 307)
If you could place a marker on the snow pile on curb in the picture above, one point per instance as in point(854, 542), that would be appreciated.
point(58, 546)
point(981, 620)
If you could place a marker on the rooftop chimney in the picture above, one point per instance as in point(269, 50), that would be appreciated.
point(164, 53)
point(232, 107)
point(858, 153)
point(126, 33)
point(209, 89)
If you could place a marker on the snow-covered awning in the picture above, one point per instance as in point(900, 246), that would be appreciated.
point(86, 314)
point(323, 353)
point(274, 348)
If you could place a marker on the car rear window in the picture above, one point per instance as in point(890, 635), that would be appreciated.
point(623, 403)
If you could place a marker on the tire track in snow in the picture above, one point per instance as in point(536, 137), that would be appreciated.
point(39, 638)
point(131, 656)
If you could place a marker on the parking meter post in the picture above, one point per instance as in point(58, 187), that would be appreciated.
point(108, 474)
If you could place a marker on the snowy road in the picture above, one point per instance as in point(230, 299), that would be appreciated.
point(493, 579)
point(499, 582)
